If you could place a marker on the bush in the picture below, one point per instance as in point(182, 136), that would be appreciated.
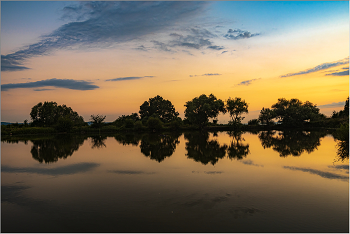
point(138, 125)
point(253, 122)
point(154, 124)
point(64, 124)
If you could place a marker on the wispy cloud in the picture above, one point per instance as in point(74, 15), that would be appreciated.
point(59, 83)
point(207, 74)
point(248, 82)
point(42, 89)
point(333, 104)
point(100, 24)
point(63, 170)
point(320, 67)
point(250, 162)
point(130, 78)
point(239, 34)
point(323, 174)
point(342, 73)
point(213, 172)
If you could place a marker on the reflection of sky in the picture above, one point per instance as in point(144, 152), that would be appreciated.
point(73, 52)
point(95, 187)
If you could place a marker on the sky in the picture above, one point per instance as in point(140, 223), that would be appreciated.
point(109, 57)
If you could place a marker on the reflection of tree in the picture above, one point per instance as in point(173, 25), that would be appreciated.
point(341, 135)
point(237, 150)
point(128, 139)
point(291, 142)
point(98, 141)
point(343, 150)
point(60, 146)
point(203, 150)
point(158, 147)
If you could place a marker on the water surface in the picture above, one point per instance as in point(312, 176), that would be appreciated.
point(175, 182)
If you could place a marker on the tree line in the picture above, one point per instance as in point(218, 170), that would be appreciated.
point(158, 112)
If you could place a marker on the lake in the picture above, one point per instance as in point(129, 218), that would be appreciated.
point(175, 182)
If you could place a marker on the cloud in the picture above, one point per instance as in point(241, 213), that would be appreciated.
point(320, 67)
point(333, 104)
point(342, 73)
point(63, 170)
point(59, 83)
point(224, 52)
point(323, 174)
point(194, 38)
point(213, 172)
point(42, 89)
point(207, 74)
point(130, 78)
point(248, 82)
point(102, 23)
point(239, 34)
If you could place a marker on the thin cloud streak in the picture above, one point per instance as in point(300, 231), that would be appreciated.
point(58, 83)
point(323, 174)
point(247, 82)
point(334, 104)
point(342, 73)
point(130, 78)
point(319, 68)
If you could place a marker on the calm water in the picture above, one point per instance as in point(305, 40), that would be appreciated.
point(191, 182)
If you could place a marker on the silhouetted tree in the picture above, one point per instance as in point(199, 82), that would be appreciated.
point(203, 150)
point(97, 120)
point(158, 107)
point(127, 120)
point(294, 113)
point(266, 116)
point(343, 113)
point(49, 113)
point(200, 109)
point(236, 107)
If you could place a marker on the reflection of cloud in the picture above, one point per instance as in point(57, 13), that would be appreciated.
point(213, 172)
point(102, 23)
point(319, 68)
point(130, 78)
point(250, 162)
point(323, 174)
point(63, 170)
point(239, 34)
point(341, 167)
point(248, 82)
point(59, 83)
point(333, 104)
point(127, 172)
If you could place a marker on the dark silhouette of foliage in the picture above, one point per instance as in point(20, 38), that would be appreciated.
point(158, 107)
point(294, 113)
point(342, 138)
point(158, 147)
point(266, 116)
point(291, 142)
point(127, 121)
point(343, 113)
point(50, 150)
point(97, 121)
point(48, 114)
point(253, 122)
point(200, 109)
point(237, 150)
point(203, 150)
point(154, 123)
point(236, 107)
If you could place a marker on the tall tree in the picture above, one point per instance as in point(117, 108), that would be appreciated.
point(236, 107)
point(294, 113)
point(158, 107)
point(266, 116)
point(200, 109)
point(48, 114)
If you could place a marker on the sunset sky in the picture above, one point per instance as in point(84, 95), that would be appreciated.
point(109, 57)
